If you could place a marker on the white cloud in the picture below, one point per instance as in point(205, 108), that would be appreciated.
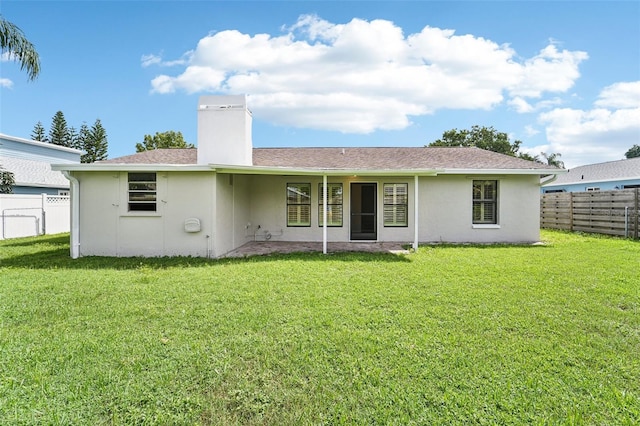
point(7, 56)
point(5, 82)
point(549, 71)
point(520, 105)
point(620, 95)
point(363, 76)
point(599, 134)
point(151, 59)
point(148, 60)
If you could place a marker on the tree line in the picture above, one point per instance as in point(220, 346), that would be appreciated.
point(490, 139)
point(92, 140)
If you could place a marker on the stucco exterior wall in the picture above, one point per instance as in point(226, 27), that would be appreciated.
point(446, 210)
point(232, 212)
point(235, 209)
point(269, 200)
point(108, 229)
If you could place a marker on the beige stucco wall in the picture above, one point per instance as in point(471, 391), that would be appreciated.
point(268, 209)
point(232, 212)
point(106, 228)
point(446, 210)
point(230, 209)
point(445, 206)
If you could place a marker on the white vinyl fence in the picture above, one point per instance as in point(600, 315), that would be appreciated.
point(31, 215)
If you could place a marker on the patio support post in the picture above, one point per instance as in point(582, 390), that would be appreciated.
point(324, 214)
point(415, 212)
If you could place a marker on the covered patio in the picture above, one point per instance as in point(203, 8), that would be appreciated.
point(262, 248)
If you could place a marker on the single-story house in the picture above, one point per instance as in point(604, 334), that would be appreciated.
point(215, 198)
point(612, 175)
point(30, 162)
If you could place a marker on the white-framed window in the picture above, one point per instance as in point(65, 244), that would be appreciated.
point(485, 202)
point(396, 204)
point(593, 188)
point(334, 204)
point(298, 204)
point(142, 192)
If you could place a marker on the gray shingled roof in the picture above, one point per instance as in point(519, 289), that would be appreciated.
point(33, 173)
point(158, 156)
point(611, 170)
point(352, 158)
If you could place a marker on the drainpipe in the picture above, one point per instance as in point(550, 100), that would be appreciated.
point(415, 212)
point(551, 179)
point(324, 214)
point(75, 214)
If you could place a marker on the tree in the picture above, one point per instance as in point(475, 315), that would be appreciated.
point(482, 137)
point(15, 44)
point(633, 152)
point(73, 137)
point(553, 159)
point(81, 138)
point(529, 157)
point(59, 132)
point(38, 133)
point(95, 142)
point(168, 139)
point(7, 180)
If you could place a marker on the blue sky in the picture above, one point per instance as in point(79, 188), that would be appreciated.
point(562, 77)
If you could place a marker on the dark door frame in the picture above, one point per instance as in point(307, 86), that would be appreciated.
point(363, 211)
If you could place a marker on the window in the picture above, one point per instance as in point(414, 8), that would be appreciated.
point(334, 204)
point(593, 188)
point(63, 192)
point(485, 201)
point(396, 204)
point(298, 204)
point(142, 192)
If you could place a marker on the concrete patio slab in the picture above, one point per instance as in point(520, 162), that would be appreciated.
point(260, 248)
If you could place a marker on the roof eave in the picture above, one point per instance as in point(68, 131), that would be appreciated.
point(42, 144)
point(540, 172)
point(308, 171)
point(122, 167)
point(42, 185)
point(579, 182)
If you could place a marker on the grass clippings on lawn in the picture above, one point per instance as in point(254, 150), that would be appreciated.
point(448, 335)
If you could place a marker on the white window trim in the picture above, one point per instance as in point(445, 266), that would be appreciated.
point(299, 206)
point(330, 205)
point(124, 192)
point(485, 226)
point(497, 203)
point(395, 205)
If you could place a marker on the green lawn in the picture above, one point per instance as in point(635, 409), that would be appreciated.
point(448, 335)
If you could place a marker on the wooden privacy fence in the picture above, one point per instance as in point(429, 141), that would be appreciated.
point(600, 212)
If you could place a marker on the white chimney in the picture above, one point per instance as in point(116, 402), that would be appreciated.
point(224, 131)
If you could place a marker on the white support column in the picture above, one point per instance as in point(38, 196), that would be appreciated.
point(324, 214)
point(416, 217)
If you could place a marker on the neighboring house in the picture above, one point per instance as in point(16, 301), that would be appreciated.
point(621, 174)
point(211, 200)
point(30, 162)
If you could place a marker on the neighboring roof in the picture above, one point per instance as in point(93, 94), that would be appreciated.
point(416, 158)
point(46, 145)
point(600, 172)
point(33, 173)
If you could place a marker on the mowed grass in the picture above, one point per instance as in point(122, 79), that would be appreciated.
point(448, 335)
